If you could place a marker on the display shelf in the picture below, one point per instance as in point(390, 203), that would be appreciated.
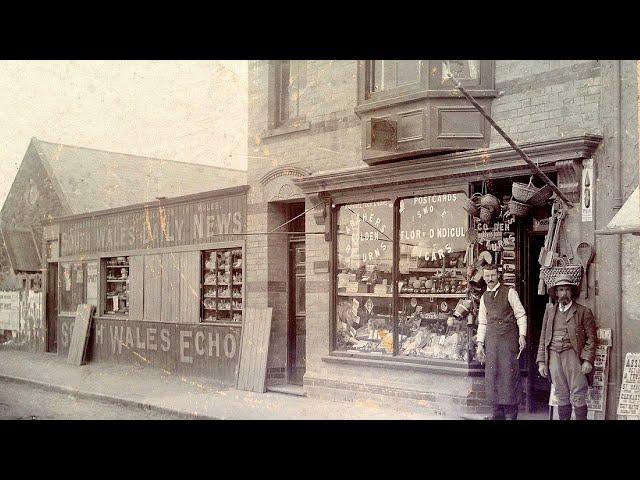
point(432, 269)
point(379, 295)
point(117, 266)
point(123, 280)
point(432, 295)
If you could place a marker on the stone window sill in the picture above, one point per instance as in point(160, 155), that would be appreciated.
point(296, 125)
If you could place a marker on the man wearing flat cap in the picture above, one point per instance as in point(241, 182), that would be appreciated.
point(567, 348)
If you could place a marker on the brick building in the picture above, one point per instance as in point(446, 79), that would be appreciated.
point(362, 145)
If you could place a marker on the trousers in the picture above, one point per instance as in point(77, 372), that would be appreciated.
point(566, 374)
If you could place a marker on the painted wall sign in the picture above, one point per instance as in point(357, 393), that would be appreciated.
point(9, 310)
point(370, 230)
point(202, 221)
point(208, 350)
point(629, 402)
point(587, 190)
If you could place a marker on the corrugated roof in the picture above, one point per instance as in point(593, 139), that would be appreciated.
point(21, 250)
point(97, 180)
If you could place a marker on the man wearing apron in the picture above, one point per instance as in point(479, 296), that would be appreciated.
point(502, 327)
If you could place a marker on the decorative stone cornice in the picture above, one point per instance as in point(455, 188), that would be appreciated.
point(459, 164)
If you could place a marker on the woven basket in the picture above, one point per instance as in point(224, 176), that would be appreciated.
point(489, 201)
point(549, 274)
point(541, 196)
point(486, 214)
point(518, 209)
point(471, 205)
point(523, 192)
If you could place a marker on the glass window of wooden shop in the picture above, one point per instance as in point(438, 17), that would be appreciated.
point(222, 285)
point(71, 286)
point(364, 305)
point(433, 239)
point(117, 286)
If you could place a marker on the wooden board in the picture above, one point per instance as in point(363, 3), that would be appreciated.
point(136, 287)
point(80, 336)
point(189, 287)
point(256, 331)
point(152, 287)
point(170, 297)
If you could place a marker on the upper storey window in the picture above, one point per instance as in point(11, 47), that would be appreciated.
point(290, 82)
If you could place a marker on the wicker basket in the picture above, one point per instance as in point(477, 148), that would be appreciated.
point(541, 196)
point(486, 214)
point(523, 192)
point(549, 274)
point(489, 201)
point(471, 205)
point(518, 209)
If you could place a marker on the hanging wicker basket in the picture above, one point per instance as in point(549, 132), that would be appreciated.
point(541, 196)
point(550, 274)
point(472, 205)
point(486, 214)
point(489, 201)
point(523, 192)
point(518, 209)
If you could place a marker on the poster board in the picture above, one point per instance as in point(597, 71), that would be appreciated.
point(9, 310)
point(629, 401)
point(80, 336)
point(597, 394)
point(256, 331)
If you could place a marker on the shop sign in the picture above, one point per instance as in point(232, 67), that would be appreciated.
point(213, 350)
point(369, 227)
point(629, 402)
point(203, 221)
point(9, 310)
point(587, 190)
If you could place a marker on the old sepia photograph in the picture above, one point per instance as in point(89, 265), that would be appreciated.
point(320, 240)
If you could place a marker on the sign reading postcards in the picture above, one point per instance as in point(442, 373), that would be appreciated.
point(434, 226)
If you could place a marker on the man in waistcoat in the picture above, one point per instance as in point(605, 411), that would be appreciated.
point(567, 348)
point(502, 329)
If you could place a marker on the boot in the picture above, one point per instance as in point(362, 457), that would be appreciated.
point(564, 412)
point(498, 412)
point(581, 412)
point(511, 412)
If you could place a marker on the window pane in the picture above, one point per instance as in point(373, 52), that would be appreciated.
point(389, 74)
point(117, 286)
point(463, 69)
point(72, 282)
point(433, 242)
point(365, 250)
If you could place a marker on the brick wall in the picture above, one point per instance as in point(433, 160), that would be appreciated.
point(542, 100)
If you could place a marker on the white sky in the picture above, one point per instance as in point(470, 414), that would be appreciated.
point(190, 111)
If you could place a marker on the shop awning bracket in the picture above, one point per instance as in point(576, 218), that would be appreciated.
point(520, 152)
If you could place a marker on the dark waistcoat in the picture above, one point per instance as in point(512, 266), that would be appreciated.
point(498, 307)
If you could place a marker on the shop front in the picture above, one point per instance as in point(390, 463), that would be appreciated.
point(166, 279)
point(395, 318)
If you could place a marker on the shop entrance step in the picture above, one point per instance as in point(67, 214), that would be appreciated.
point(295, 390)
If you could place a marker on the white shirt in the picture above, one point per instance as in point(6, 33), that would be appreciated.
point(518, 311)
point(564, 309)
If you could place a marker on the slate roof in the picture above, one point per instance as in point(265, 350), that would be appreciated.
point(90, 179)
point(21, 250)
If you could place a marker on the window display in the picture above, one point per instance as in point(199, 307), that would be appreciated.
point(365, 296)
point(222, 294)
point(117, 286)
point(432, 276)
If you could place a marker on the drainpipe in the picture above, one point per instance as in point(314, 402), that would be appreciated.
point(617, 240)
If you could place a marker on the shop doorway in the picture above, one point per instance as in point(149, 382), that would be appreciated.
point(52, 308)
point(538, 388)
point(296, 327)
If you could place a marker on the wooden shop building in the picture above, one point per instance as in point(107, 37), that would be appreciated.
point(166, 279)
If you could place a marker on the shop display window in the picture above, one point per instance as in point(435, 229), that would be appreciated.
point(364, 320)
point(222, 285)
point(117, 286)
point(72, 286)
point(432, 276)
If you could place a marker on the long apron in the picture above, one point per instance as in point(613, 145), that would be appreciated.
point(502, 370)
